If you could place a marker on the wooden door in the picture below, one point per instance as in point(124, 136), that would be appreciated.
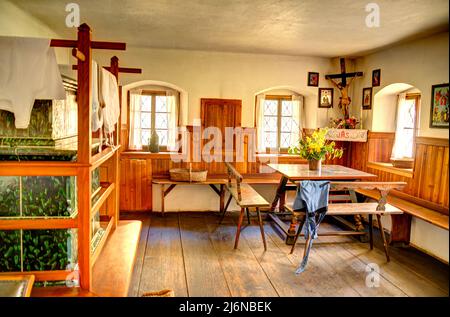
point(220, 113)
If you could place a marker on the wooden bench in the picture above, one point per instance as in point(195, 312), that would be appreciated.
point(367, 208)
point(246, 197)
point(401, 224)
point(172, 184)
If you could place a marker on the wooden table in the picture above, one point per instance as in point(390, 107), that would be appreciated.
point(298, 172)
point(211, 182)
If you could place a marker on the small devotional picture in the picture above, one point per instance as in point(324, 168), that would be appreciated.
point(376, 78)
point(313, 79)
point(439, 106)
point(325, 97)
point(367, 98)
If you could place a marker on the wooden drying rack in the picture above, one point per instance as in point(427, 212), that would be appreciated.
point(82, 168)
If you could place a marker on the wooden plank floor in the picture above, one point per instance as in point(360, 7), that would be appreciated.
point(193, 255)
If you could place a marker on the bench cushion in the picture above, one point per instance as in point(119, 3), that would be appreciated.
point(250, 197)
point(357, 209)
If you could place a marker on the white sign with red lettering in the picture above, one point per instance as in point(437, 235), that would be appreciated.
point(352, 135)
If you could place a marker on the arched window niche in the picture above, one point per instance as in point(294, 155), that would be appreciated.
point(153, 106)
point(279, 118)
point(396, 109)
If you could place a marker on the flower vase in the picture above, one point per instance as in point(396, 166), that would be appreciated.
point(315, 165)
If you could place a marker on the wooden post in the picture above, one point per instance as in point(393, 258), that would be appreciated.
point(84, 156)
point(114, 69)
point(84, 95)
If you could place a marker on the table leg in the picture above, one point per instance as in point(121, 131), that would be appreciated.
point(371, 231)
point(280, 195)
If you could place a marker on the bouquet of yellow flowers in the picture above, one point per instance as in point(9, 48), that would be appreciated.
point(316, 147)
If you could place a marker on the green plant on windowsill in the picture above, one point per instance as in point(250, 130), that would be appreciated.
point(316, 148)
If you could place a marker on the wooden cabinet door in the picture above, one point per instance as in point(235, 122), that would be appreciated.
point(135, 184)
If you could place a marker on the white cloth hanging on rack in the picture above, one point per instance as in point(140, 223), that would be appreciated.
point(97, 113)
point(28, 71)
point(109, 100)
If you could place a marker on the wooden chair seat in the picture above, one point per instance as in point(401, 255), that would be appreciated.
point(249, 196)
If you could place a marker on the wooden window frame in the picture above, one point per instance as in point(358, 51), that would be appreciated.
point(280, 99)
point(416, 98)
point(152, 93)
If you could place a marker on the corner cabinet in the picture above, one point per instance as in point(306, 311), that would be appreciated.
point(135, 184)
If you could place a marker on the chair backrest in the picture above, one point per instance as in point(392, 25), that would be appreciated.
point(233, 173)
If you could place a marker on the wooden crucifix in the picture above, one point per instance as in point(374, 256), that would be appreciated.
point(343, 85)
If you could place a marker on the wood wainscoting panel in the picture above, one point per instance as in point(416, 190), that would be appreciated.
point(380, 146)
point(135, 184)
point(430, 180)
point(429, 184)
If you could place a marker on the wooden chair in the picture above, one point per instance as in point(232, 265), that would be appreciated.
point(246, 197)
point(367, 208)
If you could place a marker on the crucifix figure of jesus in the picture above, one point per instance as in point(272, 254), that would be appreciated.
point(343, 85)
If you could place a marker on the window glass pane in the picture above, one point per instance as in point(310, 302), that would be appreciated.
point(271, 139)
point(286, 124)
point(146, 103)
point(286, 108)
point(163, 136)
point(410, 113)
point(146, 120)
point(161, 104)
point(145, 137)
point(285, 140)
point(137, 119)
point(270, 124)
point(161, 121)
point(270, 107)
point(9, 197)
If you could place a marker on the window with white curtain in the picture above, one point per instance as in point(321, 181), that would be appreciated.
point(153, 111)
point(278, 122)
point(154, 116)
point(407, 111)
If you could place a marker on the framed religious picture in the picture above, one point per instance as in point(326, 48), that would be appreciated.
point(439, 106)
point(376, 78)
point(313, 79)
point(367, 98)
point(326, 97)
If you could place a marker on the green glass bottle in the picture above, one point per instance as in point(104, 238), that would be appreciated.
point(153, 146)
